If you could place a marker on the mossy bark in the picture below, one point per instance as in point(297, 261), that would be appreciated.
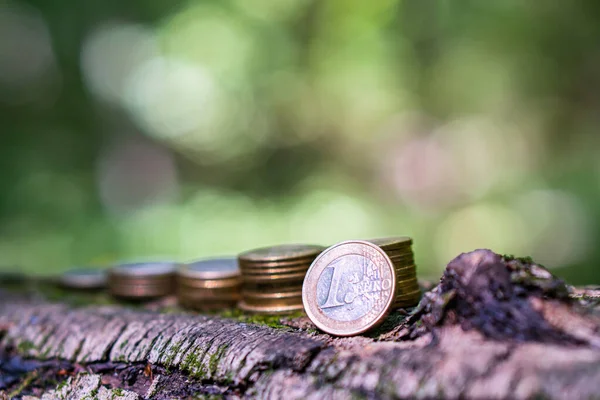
point(495, 327)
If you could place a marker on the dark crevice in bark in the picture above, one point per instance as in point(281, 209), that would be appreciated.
point(111, 344)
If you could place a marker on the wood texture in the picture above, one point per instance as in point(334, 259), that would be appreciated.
point(494, 328)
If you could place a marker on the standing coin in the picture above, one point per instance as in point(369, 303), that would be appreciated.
point(349, 288)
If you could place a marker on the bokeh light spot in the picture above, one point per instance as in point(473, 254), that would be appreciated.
point(27, 63)
point(208, 36)
point(487, 226)
point(169, 98)
point(556, 226)
point(111, 53)
point(326, 217)
point(133, 173)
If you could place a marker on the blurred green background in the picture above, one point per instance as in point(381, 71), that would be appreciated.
point(183, 129)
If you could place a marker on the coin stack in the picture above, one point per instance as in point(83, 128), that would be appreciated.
point(142, 281)
point(83, 279)
point(272, 277)
point(399, 250)
point(209, 284)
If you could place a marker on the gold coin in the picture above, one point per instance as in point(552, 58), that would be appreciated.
point(406, 290)
point(140, 292)
point(405, 251)
point(209, 284)
point(405, 268)
point(413, 280)
point(407, 283)
point(275, 271)
point(221, 290)
point(408, 263)
point(268, 296)
point(144, 270)
point(272, 287)
point(406, 276)
point(402, 259)
point(274, 277)
point(404, 263)
point(210, 269)
point(408, 294)
point(405, 280)
point(408, 302)
point(281, 252)
point(349, 288)
point(389, 243)
point(402, 272)
point(299, 262)
point(150, 286)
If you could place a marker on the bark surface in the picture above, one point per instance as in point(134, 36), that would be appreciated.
point(495, 327)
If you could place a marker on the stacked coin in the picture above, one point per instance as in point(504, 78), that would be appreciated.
point(83, 279)
point(209, 284)
point(142, 281)
point(399, 250)
point(272, 277)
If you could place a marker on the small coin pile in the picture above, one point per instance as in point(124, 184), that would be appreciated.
point(272, 277)
point(399, 250)
point(210, 284)
point(83, 279)
point(142, 281)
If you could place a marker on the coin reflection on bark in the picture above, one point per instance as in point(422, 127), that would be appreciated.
point(349, 288)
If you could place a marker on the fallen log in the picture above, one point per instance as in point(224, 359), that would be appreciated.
point(495, 327)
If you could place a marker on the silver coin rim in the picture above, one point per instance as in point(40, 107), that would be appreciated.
point(316, 316)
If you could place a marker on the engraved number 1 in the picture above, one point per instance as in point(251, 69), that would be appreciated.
point(334, 288)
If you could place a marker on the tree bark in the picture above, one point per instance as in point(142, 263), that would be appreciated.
point(495, 327)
